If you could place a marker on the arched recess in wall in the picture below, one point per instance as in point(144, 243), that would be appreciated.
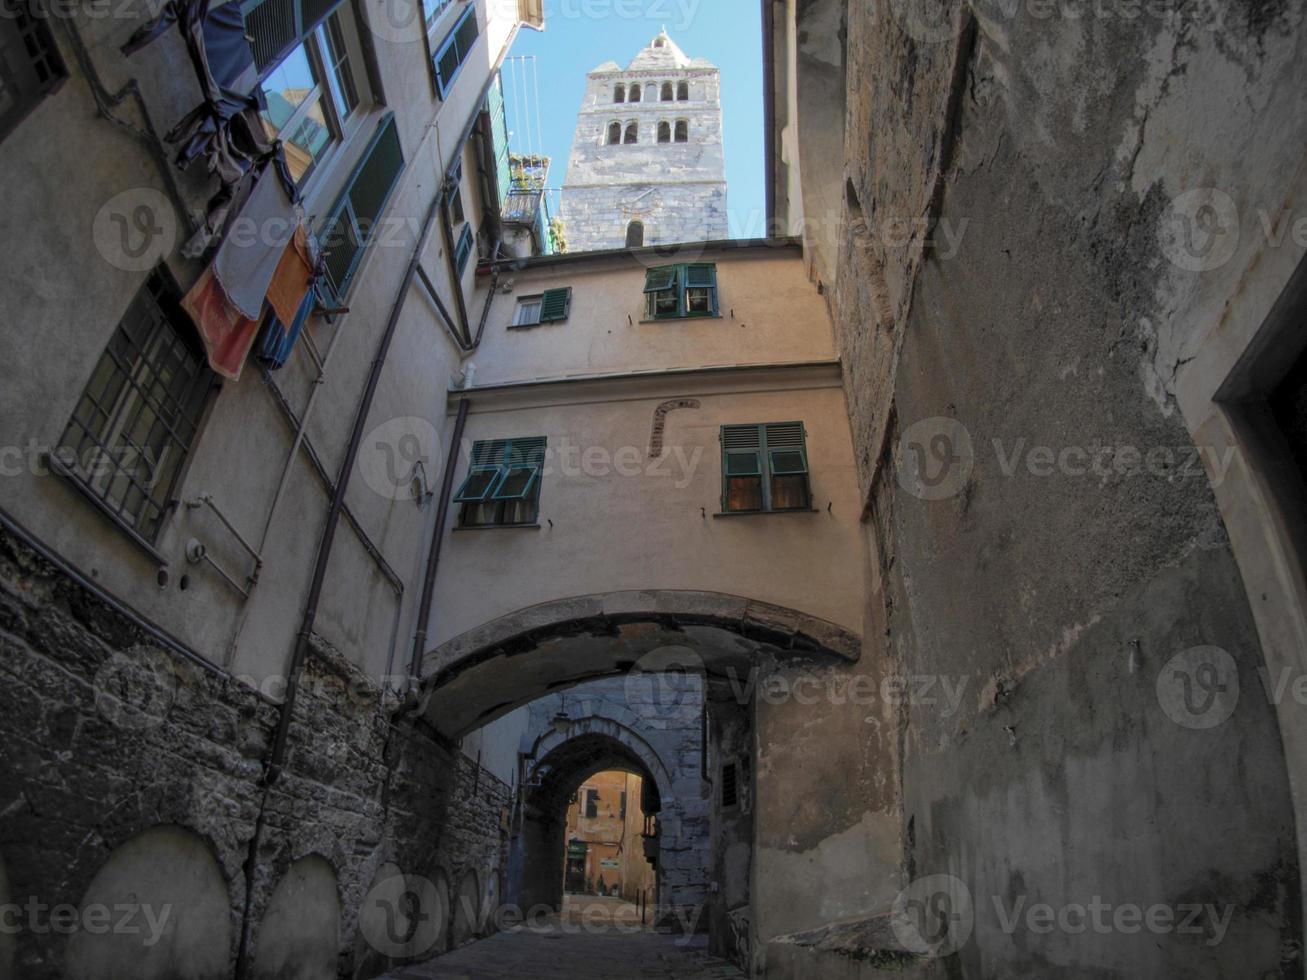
point(466, 920)
point(478, 676)
point(403, 918)
point(635, 93)
point(183, 926)
point(614, 133)
point(632, 132)
point(619, 93)
point(682, 91)
point(299, 934)
point(664, 132)
point(682, 130)
point(7, 940)
point(635, 234)
point(665, 95)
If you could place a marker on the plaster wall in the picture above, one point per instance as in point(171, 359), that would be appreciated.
point(652, 523)
point(770, 314)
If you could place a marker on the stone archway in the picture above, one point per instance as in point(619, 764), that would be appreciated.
point(590, 746)
point(478, 676)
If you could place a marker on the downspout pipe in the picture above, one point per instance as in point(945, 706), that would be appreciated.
point(770, 136)
point(437, 539)
point(338, 502)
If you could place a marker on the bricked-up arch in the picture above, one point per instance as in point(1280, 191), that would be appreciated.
point(486, 672)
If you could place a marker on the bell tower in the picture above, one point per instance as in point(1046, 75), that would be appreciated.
point(647, 166)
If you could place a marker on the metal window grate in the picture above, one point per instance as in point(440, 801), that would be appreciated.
point(730, 785)
point(30, 66)
point(140, 412)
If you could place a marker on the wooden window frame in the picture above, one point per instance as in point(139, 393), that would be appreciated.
point(680, 286)
point(759, 461)
point(493, 468)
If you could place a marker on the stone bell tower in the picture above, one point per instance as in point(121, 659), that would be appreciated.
point(647, 166)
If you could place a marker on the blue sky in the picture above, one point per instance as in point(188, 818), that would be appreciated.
point(580, 35)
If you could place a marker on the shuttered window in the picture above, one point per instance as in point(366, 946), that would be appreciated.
point(764, 468)
point(551, 306)
point(502, 487)
point(452, 52)
point(555, 304)
point(352, 222)
point(464, 248)
point(678, 291)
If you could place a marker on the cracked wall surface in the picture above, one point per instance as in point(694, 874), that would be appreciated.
point(1011, 182)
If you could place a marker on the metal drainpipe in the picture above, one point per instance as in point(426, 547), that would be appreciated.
point(337, 504)
point(490, 295)
point(437, 538)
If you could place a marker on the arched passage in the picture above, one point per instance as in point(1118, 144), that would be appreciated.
point(482, 674)
point(567, 760)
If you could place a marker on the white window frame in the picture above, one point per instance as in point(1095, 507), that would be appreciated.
point(525, 303)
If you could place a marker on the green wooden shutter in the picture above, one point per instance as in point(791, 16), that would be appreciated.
point(703, 276)
point(464, 249)
point(555, 304)
point(352, 221)
point(741, 455)
point(658, 280)
point(787, 452)
point(503, 469)
point(454, 49)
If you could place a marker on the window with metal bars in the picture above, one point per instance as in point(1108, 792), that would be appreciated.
point(30, 65)
point(765, 468)
point(139, 414)
point(730, 786)
point(677, 291)
point(502, 487)
point(452, 53)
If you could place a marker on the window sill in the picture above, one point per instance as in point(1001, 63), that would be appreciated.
point(496, 527)
point(57, 467)
point(529, 326)
point(680, 319)
point(766, 513)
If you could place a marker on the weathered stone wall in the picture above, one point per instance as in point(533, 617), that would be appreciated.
point(1013, 312)
point(110, 733)
point(658, 718)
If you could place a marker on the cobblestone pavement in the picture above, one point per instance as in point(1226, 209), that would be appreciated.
point(564, 949)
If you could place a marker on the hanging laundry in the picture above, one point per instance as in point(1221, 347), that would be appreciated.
point(227, 334)
point(278, 339)
point(255, 244)
point(293, 277)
